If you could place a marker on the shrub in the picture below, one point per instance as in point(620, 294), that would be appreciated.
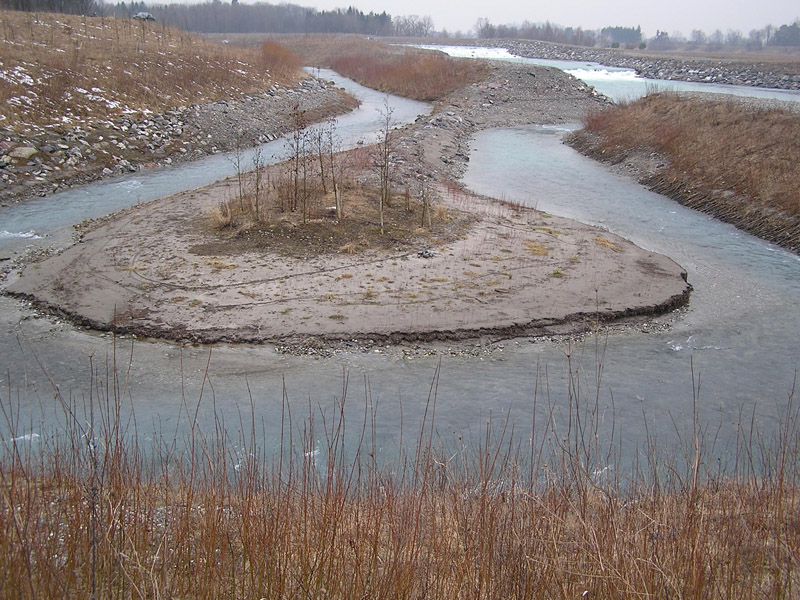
point(279, 60)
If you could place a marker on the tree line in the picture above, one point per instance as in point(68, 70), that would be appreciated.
point(236, 17)
point(545, 32)
point(785, 35)
point(71, 7)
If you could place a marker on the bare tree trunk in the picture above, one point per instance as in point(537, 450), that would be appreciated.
point(385, 147)
point(258, 167)
point(332, 145)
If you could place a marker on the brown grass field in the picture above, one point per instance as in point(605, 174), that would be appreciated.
point(62, 70)
point(732, 160)
point(417, 74)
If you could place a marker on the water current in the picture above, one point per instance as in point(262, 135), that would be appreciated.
point(735, 348)
point(616, 82)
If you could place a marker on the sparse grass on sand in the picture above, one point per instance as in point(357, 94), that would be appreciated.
point(268, 224)
point(732, 160)
point(63, 70)
point(217, 514)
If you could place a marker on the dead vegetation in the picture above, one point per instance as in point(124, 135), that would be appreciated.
point(62, 70)
point(418, 74)
point(275, 220)
point(93, 512)
point(736, 162)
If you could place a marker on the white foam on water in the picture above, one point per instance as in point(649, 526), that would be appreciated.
point(28, 437)
point(32, 235)
point(131, 184)
point(471, 52)
point(603, 75)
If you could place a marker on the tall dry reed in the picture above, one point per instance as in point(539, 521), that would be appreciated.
point(213, 512)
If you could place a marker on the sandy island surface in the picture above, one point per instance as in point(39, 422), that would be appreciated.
point(514, 271)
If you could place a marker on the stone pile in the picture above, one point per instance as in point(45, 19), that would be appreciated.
point(52, 160)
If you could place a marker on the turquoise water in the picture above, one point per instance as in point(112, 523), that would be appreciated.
point(619, 83)
point(737, 341)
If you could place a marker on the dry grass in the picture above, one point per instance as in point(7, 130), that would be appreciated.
point(536, 248)
point(279, 60)
point(713, 145)
point(270, 223)
point(90, 513)
point(62, 70)
point(605, 243)
point(731, 160)
point(418, 74)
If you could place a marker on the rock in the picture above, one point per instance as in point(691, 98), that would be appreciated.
point(23, 152)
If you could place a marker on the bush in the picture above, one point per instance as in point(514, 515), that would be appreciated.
point(279, 60)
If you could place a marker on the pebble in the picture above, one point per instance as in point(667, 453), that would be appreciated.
point(165, 139)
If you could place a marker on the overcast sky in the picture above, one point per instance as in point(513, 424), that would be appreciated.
point(669, 16)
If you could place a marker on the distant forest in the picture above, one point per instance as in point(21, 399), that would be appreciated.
point(235, 17)
point(785, 35)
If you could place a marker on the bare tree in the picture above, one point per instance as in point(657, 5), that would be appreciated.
point(258, 172)
point(333, 145)
point(319, 142)
point(236, 160)
point(383, 162)
point(426, 206)
point(698, 36)
point(734, 38)
point(297, 146)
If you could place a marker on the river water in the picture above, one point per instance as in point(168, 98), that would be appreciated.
point(615, 82)
point(735, 348)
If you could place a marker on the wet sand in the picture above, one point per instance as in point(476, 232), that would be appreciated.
point(515, 272)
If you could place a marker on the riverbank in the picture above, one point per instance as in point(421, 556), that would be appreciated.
point(733, 159)
point(53, 160)
point(515, 271)
point(757, 69)
point(86, 98)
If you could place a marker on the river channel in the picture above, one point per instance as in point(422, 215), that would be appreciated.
point(734, 348)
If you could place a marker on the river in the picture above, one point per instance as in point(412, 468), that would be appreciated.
point(617, 83)
point(734, 349)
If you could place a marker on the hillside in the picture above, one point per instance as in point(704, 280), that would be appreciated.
point(84, 97)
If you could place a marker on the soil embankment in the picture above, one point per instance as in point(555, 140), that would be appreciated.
point(514, 271)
